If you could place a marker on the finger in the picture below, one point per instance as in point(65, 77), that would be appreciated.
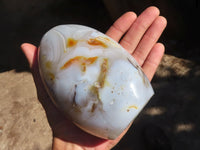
point(53, 115)
point(30, 52)
point(121, 25)
point(139, 27)
point(149, 39)
point(153, 59)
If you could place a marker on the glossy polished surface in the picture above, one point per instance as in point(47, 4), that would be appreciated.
point(92, 79)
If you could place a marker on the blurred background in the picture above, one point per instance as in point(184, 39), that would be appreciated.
point(28, 20)
point(171, 120)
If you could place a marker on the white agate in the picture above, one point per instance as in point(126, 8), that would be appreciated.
point(92, 79)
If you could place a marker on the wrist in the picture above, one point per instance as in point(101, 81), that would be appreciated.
point(59, 144)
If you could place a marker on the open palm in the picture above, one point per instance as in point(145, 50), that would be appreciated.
point(140, 35)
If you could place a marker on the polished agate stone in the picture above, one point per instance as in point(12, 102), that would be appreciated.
point(95, 82)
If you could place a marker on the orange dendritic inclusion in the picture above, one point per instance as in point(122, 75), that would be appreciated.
point(71, 42)
point(96, 42)
point(133, 106)
point(130, 107)
point(80, 60)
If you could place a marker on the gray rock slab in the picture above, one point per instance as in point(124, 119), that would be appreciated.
point(23, 123)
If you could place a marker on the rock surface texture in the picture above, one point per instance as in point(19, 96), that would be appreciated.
point(23, 123)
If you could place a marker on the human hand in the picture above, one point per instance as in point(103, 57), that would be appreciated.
point(140, 35)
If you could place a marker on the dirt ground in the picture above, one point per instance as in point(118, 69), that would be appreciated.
point(170, 120)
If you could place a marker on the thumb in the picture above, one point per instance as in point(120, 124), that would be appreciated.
point(30, 51)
